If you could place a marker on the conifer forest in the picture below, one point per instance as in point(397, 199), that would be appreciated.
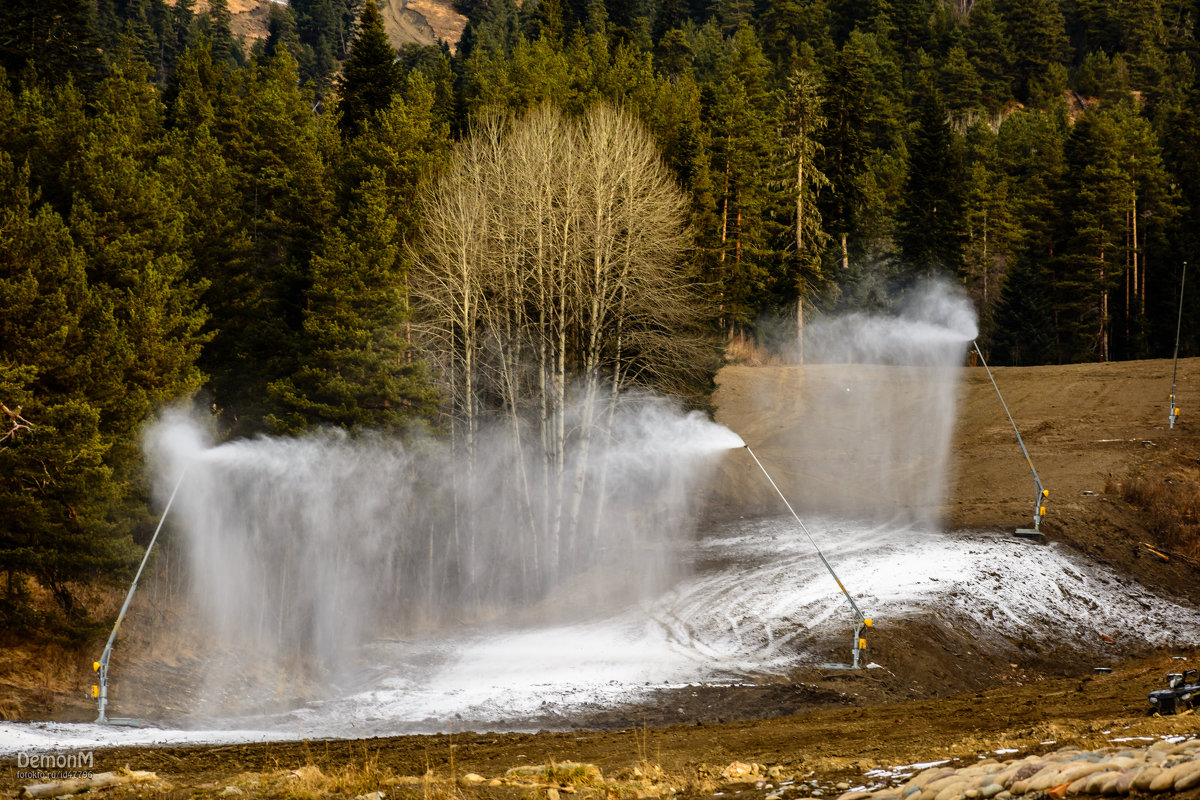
point(320, 230)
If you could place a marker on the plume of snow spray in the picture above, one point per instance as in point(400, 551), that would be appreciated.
point(878, 408)
point(302, 548)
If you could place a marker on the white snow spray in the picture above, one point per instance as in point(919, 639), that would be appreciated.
point(302, 549)
point(877, 408)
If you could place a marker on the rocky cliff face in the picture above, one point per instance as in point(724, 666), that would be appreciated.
point(407, 21)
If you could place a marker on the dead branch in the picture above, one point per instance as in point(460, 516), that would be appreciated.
point(16, 423)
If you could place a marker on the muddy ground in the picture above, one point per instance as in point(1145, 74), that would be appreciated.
point(1090, 429)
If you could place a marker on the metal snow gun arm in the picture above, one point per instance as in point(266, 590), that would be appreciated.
point(1174, 412)
point(1043, 494)
point(861, 621)
point(100, 689)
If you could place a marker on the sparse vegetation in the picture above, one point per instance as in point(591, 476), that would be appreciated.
point(1171, 503)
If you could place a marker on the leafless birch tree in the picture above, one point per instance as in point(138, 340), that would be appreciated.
point(550, 278)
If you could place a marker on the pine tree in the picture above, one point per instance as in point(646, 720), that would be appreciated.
point(988, 216)
point(789, 25)
point(357, 369)
point(282, 32)
point(128, 225)
point(802, 124)
point(1030, 157)
point(1181, 130)
point(370, 77)
point(861, 138)
point(280, 155)
point(54, 37)
point(931, 223)
point(63, 521)
point(1150, 207)
point(1024, 327)
point(743, 141)
point(1036, 33)
point(989, 51)
point(1088, 266)
point(960, 84)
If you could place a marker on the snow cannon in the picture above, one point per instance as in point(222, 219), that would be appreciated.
point(861, 621)
point(1043, 494)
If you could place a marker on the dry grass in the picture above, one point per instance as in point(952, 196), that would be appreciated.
point(310, 782)
point(745, 349)
point(565, 773)
point(1171, 505)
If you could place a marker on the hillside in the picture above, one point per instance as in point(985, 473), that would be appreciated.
point(1090, 429)
point(407, 21)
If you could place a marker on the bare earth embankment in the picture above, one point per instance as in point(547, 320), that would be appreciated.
point(942, 694)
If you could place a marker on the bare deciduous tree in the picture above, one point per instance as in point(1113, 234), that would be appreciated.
point(550, 277)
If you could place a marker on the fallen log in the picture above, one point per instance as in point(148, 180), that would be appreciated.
point(101, 780)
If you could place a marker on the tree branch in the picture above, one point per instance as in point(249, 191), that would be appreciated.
point(16, 423)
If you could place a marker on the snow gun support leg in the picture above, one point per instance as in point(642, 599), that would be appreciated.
point(860, 639)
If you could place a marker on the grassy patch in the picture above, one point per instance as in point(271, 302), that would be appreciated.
point(1171, 505)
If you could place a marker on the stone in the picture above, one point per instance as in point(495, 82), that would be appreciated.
point(1078, 785)
point(1142, 782)
point(1097, 780)
point(952, 790)
point(1076, 771)
point(231, 791)
point(854, 796)
point(738, 770)
point(1125, 784)
point(472, 777)
point(933, 787)
point(921, 779)
point(1109, 784)
point(1163, 781)
point(1027, 771)
point(1187, 778)
point(1049, 777)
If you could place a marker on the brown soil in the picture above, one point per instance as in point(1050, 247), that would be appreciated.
point(942, 694)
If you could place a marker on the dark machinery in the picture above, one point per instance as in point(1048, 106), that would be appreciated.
point(1182, 693)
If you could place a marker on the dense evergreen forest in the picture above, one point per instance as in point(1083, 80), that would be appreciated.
point(185, 215)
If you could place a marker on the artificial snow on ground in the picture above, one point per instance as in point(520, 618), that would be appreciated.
point(758, 601)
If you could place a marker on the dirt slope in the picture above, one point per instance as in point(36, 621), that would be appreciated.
point(1088, 428)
